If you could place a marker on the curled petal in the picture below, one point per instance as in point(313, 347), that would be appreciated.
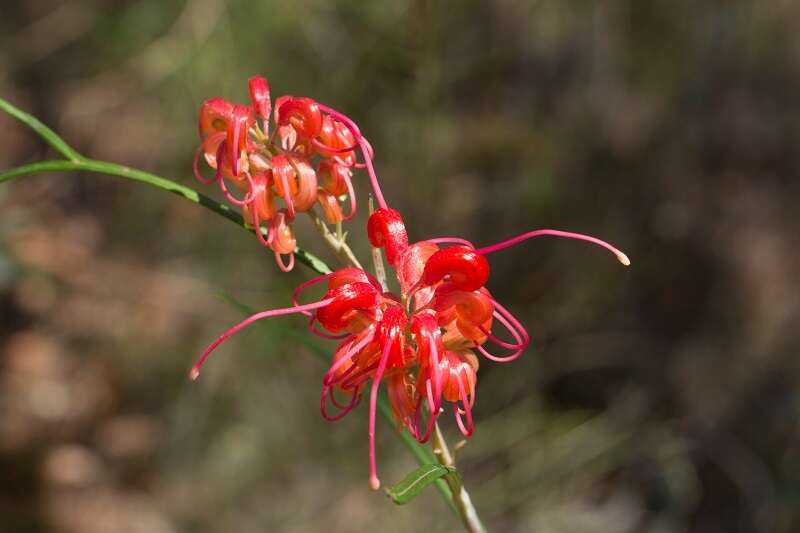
point(284, 176)
point(303, 114)
point(215, 116)
point(391, 331)
point(336, 140)
point(306, 186)
point(385, 228)
point(464, 268)
point(263, 200)
point(348, 302)
point(404, 400)
point(411, 264)
point(346, 359)
point(459, 374)
point(346, 275)
point(336, 179)
point(330, 207)
point(471, 311)
point(332, 177)
point(282, 241)
point(237, 140)
point(259, 96)
point(208, 148)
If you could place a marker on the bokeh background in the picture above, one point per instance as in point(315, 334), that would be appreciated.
point(659, 398)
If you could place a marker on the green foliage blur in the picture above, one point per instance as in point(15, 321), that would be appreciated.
point(660, 398)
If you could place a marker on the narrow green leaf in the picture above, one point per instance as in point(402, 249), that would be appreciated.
point(49, 136)
point(408, 489)
point(112, 169)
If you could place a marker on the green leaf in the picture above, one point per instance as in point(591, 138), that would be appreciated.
point(49, 136)
point(408, 489)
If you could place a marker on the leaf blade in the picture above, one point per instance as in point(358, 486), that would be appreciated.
point(411, 485)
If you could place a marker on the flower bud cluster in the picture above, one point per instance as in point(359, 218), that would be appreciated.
point(306, 159)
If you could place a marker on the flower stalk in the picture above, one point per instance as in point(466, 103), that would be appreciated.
point(461, 498)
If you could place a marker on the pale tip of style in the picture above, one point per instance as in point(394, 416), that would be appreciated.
point(194, 374)
point(374, 483)
point(623, 259)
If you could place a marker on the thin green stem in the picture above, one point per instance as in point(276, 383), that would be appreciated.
point(461, 498)
point(334, 242)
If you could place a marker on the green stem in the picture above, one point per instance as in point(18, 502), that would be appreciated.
point(461, 498)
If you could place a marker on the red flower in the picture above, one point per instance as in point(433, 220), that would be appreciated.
point(420, 342)
point(308, 159)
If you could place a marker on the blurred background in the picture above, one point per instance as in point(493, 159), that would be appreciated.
point(659, 398)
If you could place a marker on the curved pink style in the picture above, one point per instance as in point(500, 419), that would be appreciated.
point(194, 373)
point(621, 257)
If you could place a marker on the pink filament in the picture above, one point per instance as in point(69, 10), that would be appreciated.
point(514, 327)
point(343, 409)
point(467, 402)
point(325, 147)
point(555, 233)
point(374, 482)
point(287, 195)
point(356, 379)
point(266, 241)
point(306, 284)
point(500, 342)
point(366, 151)
point(452, 240)
point(376, 188)
point(283, 266)
point(351, 193)
point(201, 150)
point(313, 329)
point(330, 375)
point(234, 151)
point(434, 396)
point(218, 177)
point(232, 199)
point(195, 371)
point(433, 409)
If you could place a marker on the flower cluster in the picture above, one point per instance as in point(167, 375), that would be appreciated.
point(423, 342)
point(306, 159)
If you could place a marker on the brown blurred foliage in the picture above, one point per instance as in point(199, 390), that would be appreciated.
point(664, 397)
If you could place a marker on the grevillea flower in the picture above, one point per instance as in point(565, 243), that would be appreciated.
point(421, 342)
point(307, 159)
